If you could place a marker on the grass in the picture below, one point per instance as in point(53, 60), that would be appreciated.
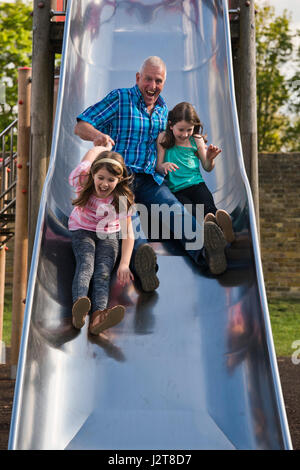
point(284, 315)
point(7, 317)
point(285, 321)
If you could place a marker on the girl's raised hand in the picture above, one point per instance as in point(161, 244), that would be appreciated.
point(124, 275)
point(212, 152)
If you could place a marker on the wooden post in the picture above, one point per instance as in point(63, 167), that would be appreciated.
point(41, 110)
point(247, 97)
point(21, 218)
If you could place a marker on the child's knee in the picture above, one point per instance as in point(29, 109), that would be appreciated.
point(103, 272)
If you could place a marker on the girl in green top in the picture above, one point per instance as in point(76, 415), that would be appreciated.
point(180, 147)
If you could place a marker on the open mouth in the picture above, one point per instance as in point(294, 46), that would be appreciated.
point(150, 93)
point(102, 190)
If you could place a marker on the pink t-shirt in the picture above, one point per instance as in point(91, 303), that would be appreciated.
point(98, 215)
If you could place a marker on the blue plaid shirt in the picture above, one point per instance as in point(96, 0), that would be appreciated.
point(123, 115)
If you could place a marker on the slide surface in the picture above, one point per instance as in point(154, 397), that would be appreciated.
point(191, 366)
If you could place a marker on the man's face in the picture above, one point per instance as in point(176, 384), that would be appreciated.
point(151, 82)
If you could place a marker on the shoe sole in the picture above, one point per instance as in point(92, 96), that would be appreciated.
point(215, 243)
point(210, 218)
point(115, 316)
point(225, 222)
point(145, 266)
point(79, 312)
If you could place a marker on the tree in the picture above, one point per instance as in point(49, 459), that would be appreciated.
point(274, 48)
point(293, 131)
point(15, 51)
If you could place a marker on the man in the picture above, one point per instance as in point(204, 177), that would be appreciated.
point(130, 119)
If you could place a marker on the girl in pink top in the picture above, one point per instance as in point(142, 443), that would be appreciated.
point(101, 212)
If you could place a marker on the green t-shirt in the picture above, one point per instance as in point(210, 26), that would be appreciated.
point(188, 172)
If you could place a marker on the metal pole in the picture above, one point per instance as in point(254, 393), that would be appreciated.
point(2, 258)
point(41, 110)
point(2, 261)
point(3, 247)
point(2, 290)
point(21, 218)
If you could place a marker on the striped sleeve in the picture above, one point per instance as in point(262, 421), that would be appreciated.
point(101, 113)
point(76, 177)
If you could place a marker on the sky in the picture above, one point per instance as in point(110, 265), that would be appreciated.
point(293, 6)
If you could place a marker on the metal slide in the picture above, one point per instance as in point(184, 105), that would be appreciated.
point(193, 365)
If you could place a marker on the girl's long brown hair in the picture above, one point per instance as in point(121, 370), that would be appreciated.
point(182, 112)
point(122, 188)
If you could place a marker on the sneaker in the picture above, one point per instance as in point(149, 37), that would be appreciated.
point(80, 310)
point(214, 244)
point(146, 267)
point(225, 222)
point(104, 319)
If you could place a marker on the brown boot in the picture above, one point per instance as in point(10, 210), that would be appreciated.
point(146, 267)
point(210, 217)
point(225, 222)
point(214, 244)
point(104, 319)
point(80, 310)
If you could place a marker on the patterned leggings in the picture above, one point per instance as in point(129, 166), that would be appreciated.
point(95, 260)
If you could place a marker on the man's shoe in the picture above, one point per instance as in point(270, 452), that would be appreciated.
point(146, 267)
point(224, 221)
point(214, 244)
point(210, 217)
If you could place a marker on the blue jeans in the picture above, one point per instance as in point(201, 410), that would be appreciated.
point(186, 228)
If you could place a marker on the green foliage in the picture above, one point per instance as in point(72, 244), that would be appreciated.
point(294, 83)
point(292, 136)
point(15, 51)
point(7, 317)
point(278, 97)
point(293, 131)
point(274, 49)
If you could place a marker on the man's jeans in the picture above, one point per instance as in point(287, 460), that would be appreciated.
point(186, 228)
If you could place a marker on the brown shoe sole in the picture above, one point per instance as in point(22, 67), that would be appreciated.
point(114, 316)
point(215, 243)
point(210, 218)
point(145, 266)
point(80, 310)
point(225, 222)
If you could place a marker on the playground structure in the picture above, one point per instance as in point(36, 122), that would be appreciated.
point(242, 17)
